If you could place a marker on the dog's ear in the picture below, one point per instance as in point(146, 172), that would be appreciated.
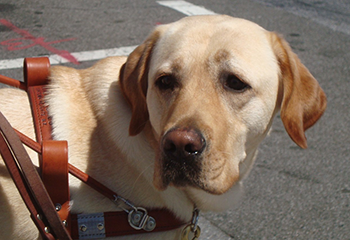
point(133, 81)
point(303, 100)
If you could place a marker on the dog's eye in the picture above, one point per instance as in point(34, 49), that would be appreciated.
point(166, 82)
point(234, 83)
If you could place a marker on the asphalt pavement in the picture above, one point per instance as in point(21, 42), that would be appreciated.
point(291, 193)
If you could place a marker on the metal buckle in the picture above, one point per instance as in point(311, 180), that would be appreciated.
point(138, 217)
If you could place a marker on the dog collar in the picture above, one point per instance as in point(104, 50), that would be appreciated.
point(132, 220)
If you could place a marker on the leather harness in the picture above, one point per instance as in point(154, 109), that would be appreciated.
point(45, 190)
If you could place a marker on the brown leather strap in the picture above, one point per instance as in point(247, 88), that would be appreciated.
point(72, 170)
point(36, 70)
point(12, 82)
point(54, 174)
point(116, 224)
point(54, 158)
point(54, 171)
point(21, 186)
point(29, 142)
point(42, 121)
point(29, 183)
point(91, 182)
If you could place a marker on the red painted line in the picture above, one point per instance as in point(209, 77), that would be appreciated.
point(13, 44)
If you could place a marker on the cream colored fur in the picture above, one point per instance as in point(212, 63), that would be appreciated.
point(92, 112)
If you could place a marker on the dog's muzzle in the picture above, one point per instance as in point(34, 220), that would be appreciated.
point(182, 150)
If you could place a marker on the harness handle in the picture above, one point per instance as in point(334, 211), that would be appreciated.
point(29, 184)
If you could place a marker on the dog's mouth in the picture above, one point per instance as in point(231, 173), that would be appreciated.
point(181, 174)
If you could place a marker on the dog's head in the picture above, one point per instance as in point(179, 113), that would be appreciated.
point(208, 88)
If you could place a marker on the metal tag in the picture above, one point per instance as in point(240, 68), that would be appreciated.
point(91, 226)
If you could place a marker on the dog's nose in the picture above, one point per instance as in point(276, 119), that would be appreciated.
point(183, 144)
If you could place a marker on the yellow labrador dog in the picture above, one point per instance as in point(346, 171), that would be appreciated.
point(176, 124)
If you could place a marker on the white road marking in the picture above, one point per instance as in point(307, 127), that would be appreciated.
point(80, 56)
point(184, 7)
